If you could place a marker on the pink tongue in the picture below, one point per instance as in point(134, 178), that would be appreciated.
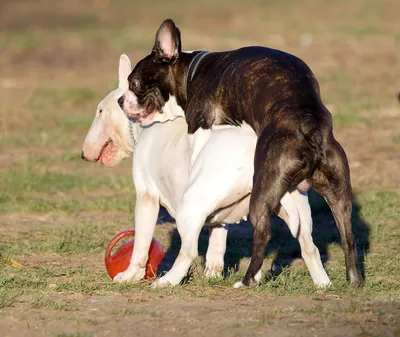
point(106, 153)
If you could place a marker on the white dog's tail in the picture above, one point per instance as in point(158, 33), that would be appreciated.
point(291, 210)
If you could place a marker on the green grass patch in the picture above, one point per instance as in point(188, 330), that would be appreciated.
point(47, 303)
point(380, 207)
point(363, 30)
point(51, 129)
point(24, 139)
point(61, 98)
point(28, 281)
point(346, 118)
point(136, 312)
point(42, 180)
point(121, 202)
point(396, 138)
point(34, 186)
point(80, 239)
point(25, 41)
point(353, 113)
point(75, 334)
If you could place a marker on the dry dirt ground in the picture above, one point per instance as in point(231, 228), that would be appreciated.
point(57, 213)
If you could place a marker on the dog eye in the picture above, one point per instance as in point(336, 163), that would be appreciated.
point(100, 111)
point(135, 84)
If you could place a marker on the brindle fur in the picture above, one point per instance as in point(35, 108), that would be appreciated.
point(278, 95)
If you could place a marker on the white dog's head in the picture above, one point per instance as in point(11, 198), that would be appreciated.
point(108, 140)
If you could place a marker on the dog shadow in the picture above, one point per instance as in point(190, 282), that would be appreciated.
point(285, 248)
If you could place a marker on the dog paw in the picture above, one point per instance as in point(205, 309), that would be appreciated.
point(238, 285)
point(133, 276)
point(169, 279)
point(254, 281)
point(160, 283)
point(323, 285)
point(213, 270)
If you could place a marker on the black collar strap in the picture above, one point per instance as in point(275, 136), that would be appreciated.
point(193, 67)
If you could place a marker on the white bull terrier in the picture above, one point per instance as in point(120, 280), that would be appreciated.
point(215, 191)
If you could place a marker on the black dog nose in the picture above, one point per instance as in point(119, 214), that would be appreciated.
point(121, 101)
point(83, 156)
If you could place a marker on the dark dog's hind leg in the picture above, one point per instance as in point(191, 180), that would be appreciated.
point(332, 181)
point(277, 165)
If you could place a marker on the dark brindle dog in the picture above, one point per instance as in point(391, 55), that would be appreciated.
point(274, 92)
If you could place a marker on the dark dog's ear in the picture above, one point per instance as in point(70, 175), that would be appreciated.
point(167, 46)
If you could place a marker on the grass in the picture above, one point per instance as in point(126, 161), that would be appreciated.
point(41, 303)
point(348, 118)
point(38, 185)
point(75, 334)
point(22, 284)
point(134, 312)
point(396, 138)
point(90, 239)
point(62, 98)
point(85, 238)
point(58, 64)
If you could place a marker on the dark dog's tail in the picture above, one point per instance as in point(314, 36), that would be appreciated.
point(312, 154)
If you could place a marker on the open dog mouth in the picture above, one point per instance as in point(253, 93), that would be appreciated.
point(146, 112)
point(106, 145)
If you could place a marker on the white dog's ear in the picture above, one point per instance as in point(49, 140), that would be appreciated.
point(167, 46)
point(125, 69)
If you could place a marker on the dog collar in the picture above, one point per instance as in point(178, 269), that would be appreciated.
point(193, 67)
point(134, 141)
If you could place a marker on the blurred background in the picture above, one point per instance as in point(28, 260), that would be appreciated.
point(59, 59)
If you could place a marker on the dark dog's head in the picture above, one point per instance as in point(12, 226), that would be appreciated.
point(156, 79)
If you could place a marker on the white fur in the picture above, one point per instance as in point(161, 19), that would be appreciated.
point(216, 251)
point(221, 177)
point(197, 142)
point(309, 251)
point(125, 67)
point(171, 110)
point(109, 123)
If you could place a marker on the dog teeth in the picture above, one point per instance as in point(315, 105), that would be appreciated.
point(245, 218)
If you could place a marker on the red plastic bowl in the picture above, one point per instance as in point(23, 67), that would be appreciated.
point(119, 261)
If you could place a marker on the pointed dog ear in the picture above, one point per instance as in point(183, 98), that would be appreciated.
point(167, 46)
point(125, 69)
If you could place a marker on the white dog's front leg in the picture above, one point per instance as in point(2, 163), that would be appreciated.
point(216, 251)
point(196, 143)
point(146, 213)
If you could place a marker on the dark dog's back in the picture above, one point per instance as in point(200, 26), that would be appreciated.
point(257, 85)
point(273, 91)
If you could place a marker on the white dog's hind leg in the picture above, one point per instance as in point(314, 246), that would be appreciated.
point(146, 212)
point(309, 251)
point(293, 219)
point(196, 143)
point(216, 251)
